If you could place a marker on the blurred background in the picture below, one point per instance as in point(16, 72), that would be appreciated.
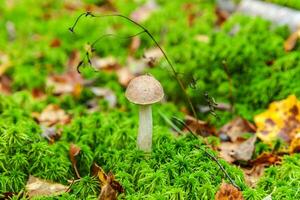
point(240, 61)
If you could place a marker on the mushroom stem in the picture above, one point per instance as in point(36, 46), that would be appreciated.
point(144, 140)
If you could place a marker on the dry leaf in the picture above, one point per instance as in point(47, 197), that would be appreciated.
point(266, 159)
point(295, 145)
point(238, 151)
point(244, 151)
point(281, 120)
point(55, 43)
point(237, 128)
point(108, 64)
point(5, 84)
point(70, 82)
point(154, 53)
point(253, 175)
point(109, 186)
point(134, 45)
point(291, 41)
point(50, 133)
point(144, 12)
point(199, 127)
point(222, 15)
point(73, 153)
point(52, 115)
point(39, 187)
point(228, 192)
point(107, 94)
point(124, 76)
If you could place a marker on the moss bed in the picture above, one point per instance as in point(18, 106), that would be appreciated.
point(259, 68)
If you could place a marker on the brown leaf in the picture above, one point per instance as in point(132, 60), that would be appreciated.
point(291, 41)
point(107, 94)
point(253, 175)
point(70, 82)
point(134, 45)
point(237, 128)
point(39, 187)
point(144, 12)
point(55, 43)
point(238, 151)
point(5, 84)
point(222, 15)
point(153, 54)
point(266, 159)
point(228, 192)
point(124, 76)
point(73, 153)
point(199, 127)
point(109, 186)
point(52, 115)
point(108, 64)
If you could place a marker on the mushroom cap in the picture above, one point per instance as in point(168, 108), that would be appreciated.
point(144, 90)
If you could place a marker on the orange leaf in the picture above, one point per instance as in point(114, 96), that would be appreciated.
point(228, 192)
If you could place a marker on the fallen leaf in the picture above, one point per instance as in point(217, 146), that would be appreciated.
point(39, 187)
point(5, 84)
point(110, 188)
point(50, 133)
point(244, 151)
point(237, 151)
point(199, 127)
point(291, 41)
point(144, 12)
point(38, 94)
point(107, 94)
point(52, 115)
point(70, 82)
point(295, 144)
point(153, 53)
point(228, 192)
point(253, 175)
point(192, 14)
point(73, 153)
point(124, 76)
point(222, 15)
point(108, 64)
point(237, 128)
point(134, 45)
point(55, 43)
point(266, 159)
point(281, 120)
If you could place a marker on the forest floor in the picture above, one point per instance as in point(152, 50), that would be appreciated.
point(228, 126)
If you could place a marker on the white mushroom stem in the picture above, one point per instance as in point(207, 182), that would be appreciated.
point(144, 140)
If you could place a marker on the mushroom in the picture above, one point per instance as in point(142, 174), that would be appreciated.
point(144, 90)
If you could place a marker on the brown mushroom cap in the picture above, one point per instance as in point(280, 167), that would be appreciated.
point(144, 90)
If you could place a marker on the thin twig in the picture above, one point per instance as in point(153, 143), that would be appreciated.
point(209, 155)
point(156, 43)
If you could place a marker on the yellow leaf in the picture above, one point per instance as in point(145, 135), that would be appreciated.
point(281, 120)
